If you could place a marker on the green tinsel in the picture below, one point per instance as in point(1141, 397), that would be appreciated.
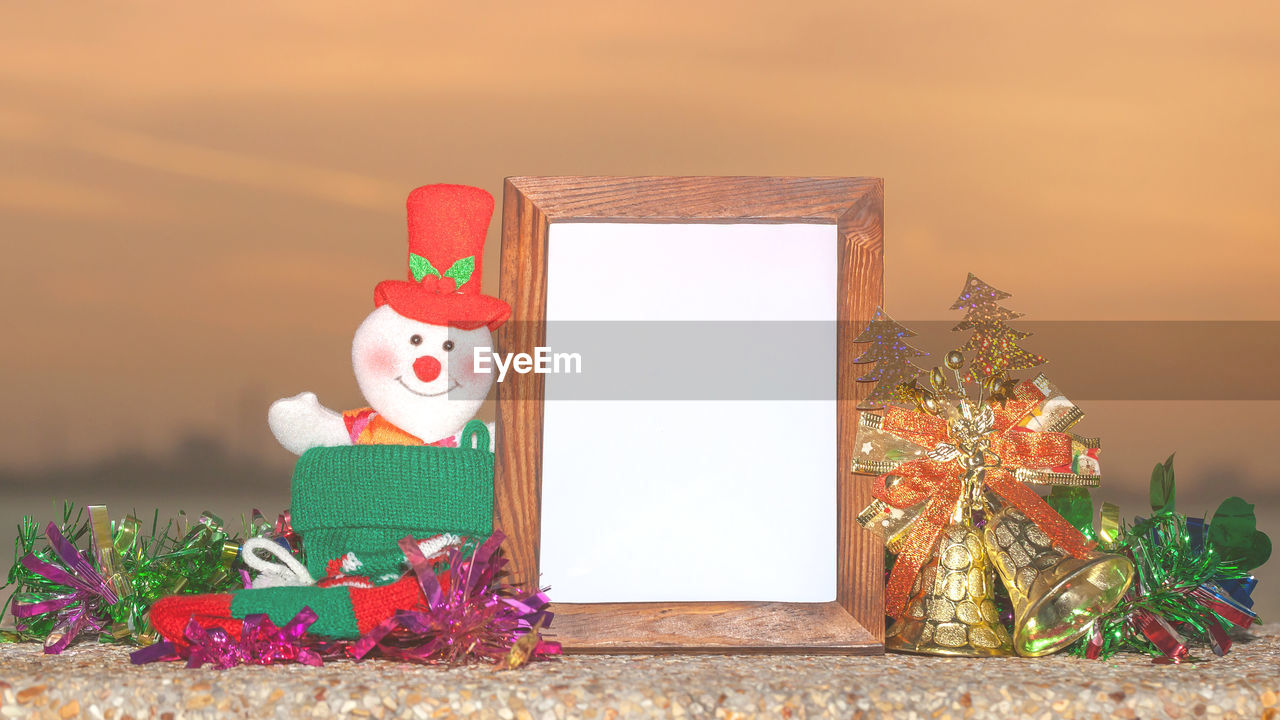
point(180, 558)
point(1174, 557)
point(1167, 568)
point(74, 526)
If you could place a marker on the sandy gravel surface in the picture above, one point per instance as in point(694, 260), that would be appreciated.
point(98, 682)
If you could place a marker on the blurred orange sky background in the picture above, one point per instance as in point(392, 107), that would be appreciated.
point(196, 200)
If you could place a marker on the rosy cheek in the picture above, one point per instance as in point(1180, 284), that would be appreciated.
point(462, 369)
point(379, 361)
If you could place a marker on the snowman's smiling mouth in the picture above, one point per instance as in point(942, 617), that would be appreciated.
point(452, 385)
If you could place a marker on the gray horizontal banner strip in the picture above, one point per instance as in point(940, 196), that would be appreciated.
point(1089, 360)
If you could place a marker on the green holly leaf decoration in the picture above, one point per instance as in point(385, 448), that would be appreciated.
point(1162, 486)
point(461, 270)
point(1233, 524)
point(1234, 534)
point(1259, 551)
point(422, 267)
point(1075, 505)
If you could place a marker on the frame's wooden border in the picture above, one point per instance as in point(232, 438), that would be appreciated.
point(854, 623)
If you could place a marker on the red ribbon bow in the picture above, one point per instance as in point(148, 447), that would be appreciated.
point(940, 484)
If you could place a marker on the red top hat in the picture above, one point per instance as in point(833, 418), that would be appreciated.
point(447, 225)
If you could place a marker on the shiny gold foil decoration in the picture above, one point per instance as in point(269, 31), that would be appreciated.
point(1108, 524)
point(1002, 391)
point(1054, 412)
point(924, 400)
point(1055, 596)
point(880, 451)
point(889, 523)
point(937, 380)
point(522, 650)
point(104, 551)
point(951, 610)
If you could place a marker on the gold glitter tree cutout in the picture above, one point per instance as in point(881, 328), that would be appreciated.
point(894, 373)
point(993, 343)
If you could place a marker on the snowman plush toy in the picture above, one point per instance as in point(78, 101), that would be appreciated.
point(414, 463)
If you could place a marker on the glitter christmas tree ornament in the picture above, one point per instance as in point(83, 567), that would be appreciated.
point(993, 345)
point(894, 373)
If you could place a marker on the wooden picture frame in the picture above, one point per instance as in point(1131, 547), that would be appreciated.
point(854, 622)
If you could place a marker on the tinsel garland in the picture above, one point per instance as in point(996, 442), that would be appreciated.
point(1192, 580)
point(63, 593)
point(467, 615)
point(66, 593)
point(1178, 599)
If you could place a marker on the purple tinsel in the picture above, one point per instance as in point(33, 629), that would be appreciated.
point(77, 612)
point(260, 643)
point(466, 614)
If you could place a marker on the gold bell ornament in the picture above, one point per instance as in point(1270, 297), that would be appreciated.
point(1055, 596)
point(951, 609)
point(936, 448)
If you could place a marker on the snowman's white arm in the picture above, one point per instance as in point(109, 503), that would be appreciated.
point(301, 423)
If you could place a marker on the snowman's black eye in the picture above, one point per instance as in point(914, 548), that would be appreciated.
point(415, 340)
point(448, 345)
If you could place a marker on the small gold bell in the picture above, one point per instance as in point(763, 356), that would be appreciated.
point(1055, 596)
point(951, 610)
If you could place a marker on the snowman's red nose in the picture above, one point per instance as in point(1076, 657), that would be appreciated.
point(426, 368)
